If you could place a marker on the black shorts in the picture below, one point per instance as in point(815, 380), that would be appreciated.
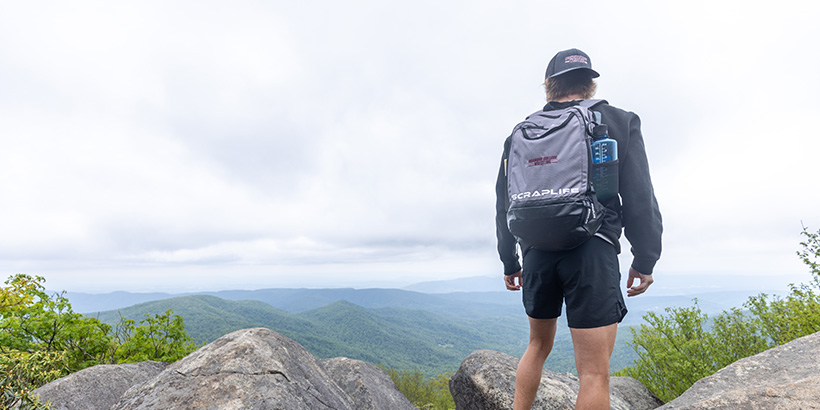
point(587, 277)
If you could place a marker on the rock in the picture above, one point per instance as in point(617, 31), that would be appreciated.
point(785, 377)
point(368, 387)
point(486, 381)
point(97, 387)
point(247, 369)
point(634, 393)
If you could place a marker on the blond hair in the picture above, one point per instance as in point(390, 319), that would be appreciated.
point(576, 82)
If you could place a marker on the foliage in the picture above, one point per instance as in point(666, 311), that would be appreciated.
point(22, 371)
point(677, 349)
point(161, 337)
point(42, 339)
point(681, 335)
point(31, 320)
point(424, 393)
point(801, 307)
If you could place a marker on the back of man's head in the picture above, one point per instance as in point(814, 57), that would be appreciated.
point(570, 76)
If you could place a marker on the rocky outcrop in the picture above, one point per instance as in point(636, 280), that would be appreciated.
point(486, 381)
point(247, 369)
point(97, 387)
point(367, 386)
point(785, 377)
point(261, 369)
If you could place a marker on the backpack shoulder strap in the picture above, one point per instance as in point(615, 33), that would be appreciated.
point(589, 104)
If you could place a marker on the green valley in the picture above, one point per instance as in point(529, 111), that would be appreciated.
point(397, 337)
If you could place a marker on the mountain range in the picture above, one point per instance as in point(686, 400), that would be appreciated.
point(399, 328)
point(470, 305)
point(396, 337)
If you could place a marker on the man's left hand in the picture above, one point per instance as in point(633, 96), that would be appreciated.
point(643, 282)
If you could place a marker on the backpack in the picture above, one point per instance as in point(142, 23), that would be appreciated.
point(551, 202)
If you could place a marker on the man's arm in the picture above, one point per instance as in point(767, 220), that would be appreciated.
point(506, 241)
point(641, 216)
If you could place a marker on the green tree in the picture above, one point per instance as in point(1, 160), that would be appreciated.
point(42, 339)
point(800, 308)
point(676, 349)
point(31, 320)
point(162, 337)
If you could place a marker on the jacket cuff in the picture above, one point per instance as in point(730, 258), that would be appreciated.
point(643, 265)
point(511, 267)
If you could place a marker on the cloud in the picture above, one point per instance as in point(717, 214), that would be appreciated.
point(361, 140)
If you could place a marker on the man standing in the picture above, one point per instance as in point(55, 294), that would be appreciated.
point(587, 277)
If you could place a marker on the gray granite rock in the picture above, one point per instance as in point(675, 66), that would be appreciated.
point(486, 381)
point(785, 377)
point(634, 393)
point(97, 387)
point(368, 387)
point(247, 369)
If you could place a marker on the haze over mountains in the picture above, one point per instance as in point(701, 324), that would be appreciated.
point(474, 297)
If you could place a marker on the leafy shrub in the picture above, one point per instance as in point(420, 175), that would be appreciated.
point(426, 394)
point(677, 349)
point(43, 339)
point(21, 371)
point(161, 337)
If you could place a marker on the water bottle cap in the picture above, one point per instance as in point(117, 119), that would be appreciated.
point(600, 131)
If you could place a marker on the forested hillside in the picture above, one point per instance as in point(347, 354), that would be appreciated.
point(396, 337)
point(399, 338)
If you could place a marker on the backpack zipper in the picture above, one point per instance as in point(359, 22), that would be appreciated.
point(548, 131)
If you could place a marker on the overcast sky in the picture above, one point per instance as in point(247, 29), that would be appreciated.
point(190, 145)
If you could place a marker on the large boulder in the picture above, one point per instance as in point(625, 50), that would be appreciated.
point(368, 387)
point(97, 387)
point(247, 369)
point(486, 381)
point(785, 377)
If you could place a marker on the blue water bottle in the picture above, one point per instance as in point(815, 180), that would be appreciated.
point(604, 163)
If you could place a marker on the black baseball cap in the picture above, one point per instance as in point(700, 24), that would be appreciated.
point(568, 60)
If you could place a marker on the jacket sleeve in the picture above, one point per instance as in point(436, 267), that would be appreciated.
point(507, 250)
point(641, 216)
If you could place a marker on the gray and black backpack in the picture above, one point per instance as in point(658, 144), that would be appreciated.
point(551, 201)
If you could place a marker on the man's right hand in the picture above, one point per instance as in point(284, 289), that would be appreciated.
point(513, 282)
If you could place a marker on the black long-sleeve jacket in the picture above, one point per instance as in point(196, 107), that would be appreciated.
point(635, 209)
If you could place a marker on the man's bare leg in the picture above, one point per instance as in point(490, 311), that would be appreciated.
point(528, 375)
point(593, 348)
